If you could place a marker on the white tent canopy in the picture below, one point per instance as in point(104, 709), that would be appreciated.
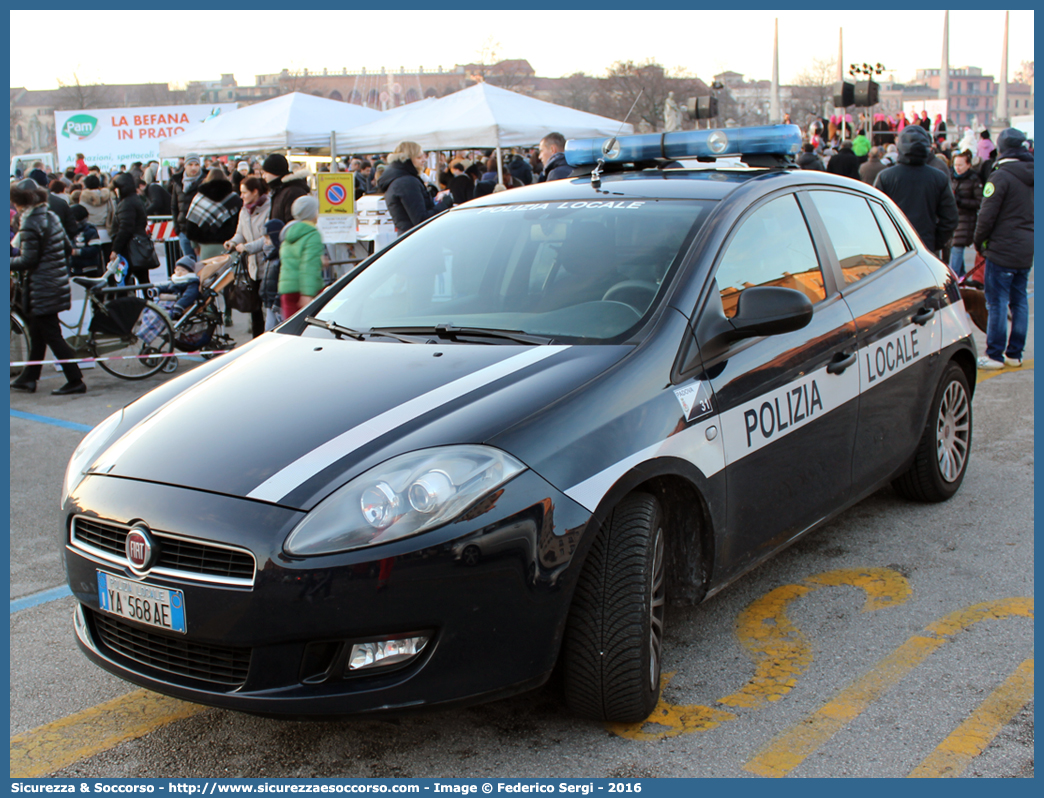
point(480, 116)
point(292, 120)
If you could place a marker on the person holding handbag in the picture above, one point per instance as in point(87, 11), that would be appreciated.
point(44, 251)
point(249, 239)
point(129, 224)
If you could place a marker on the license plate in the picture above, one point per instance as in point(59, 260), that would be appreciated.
point(137, 601)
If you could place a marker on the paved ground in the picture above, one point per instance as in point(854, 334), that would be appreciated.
point(898, 640)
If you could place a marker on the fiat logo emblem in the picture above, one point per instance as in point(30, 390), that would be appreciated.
point(139, 549)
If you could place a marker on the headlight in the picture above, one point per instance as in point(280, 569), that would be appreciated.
point(85, 453)
point(401, 497)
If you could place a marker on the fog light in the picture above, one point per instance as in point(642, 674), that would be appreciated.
point(384, 652)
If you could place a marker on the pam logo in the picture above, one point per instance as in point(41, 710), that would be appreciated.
point(81, 126)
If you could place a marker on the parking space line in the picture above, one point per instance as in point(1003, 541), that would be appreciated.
point(780, 650)
point(57, 745)
point(42, 597)
point(790, 748)
point(57, 422)
point(982, 376)
point(973, 736)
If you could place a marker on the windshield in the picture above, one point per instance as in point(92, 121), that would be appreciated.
point(563, 271)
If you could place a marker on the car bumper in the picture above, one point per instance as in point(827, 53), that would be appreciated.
point(278, 646)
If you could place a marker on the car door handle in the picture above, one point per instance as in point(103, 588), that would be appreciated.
point(924, 316)
point(841, 362)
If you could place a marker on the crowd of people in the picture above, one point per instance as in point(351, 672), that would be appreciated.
point(977, 194)
point(81, 220)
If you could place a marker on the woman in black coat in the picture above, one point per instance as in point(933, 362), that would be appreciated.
point(44, 260)
point(130, 218)
point(408, 201)
point(967, 190)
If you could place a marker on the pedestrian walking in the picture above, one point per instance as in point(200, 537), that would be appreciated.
point(300, 257)
point(1004, 235)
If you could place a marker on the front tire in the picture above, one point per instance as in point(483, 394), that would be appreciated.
point(942, 455)
point(614, 635)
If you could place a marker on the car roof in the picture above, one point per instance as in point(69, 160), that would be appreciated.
point(706, 183)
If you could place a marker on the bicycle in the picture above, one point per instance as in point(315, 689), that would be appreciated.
point(132, 338)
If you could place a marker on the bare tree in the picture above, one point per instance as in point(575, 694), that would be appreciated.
point(645, 86)
point(1024, 74)
point(295, 80)
point(814, 89)
point(576, 91)
point(77, 96)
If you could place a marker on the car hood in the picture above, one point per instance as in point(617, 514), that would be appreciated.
point(294, 418)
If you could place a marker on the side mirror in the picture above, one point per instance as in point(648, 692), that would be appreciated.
point(760, 310)
point(770, 310)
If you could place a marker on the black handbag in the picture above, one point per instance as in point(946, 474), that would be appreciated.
point(243, 294)
point(142, 252)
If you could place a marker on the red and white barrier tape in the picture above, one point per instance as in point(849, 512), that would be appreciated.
point(118, 357)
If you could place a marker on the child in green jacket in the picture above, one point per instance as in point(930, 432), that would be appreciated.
point(301, 257)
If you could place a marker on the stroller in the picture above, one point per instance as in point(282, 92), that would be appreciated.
point(201, 328)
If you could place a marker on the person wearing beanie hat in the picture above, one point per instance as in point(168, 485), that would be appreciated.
point(305, 209)
point(921, 192)
point(301, 258)
point(1004, 235)
point(183, 187)
point(86, 251)
point(284, 186)
point(185, 283)
point(269, 287)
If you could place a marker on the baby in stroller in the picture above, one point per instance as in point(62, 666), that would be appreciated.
point(185, 284)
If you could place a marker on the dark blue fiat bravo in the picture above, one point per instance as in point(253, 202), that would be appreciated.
point(503, 444)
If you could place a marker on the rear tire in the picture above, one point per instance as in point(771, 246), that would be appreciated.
point(614, 635)
point(942, 455)
point(136, 349)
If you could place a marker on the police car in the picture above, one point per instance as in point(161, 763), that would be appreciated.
point(504, 443)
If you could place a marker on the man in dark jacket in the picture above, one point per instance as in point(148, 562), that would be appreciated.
point(552, 156)
point(284, 187)
point(183, 187)
point(462, 187)
point(157, 200)
point(1004, 234)
point(809, 160)
point(921, 192)
point(845, 162)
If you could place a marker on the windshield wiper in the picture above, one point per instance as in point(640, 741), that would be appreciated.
point(358, 335)
point(450, 333)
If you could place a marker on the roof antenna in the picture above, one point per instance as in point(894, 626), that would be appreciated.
point(611, 147)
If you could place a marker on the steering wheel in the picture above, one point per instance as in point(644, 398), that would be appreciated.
point(631, 292)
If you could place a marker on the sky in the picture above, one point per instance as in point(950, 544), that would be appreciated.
point(555, 43)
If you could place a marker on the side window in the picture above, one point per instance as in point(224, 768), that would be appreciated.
point(853, 230)
point(771, 247)
point(896, 245)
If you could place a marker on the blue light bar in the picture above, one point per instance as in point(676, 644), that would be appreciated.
point(767, 139)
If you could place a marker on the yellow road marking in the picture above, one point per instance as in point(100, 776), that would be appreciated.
point(56, 745)
point(780, 650)
point(790, 748)
point(676, 719)
point(974, 734)
point(989, 375)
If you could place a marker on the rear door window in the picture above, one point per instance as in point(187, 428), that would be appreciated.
point(858, 243)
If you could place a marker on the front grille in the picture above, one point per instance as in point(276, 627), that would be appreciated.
point(222, 665)
point(175, 554)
